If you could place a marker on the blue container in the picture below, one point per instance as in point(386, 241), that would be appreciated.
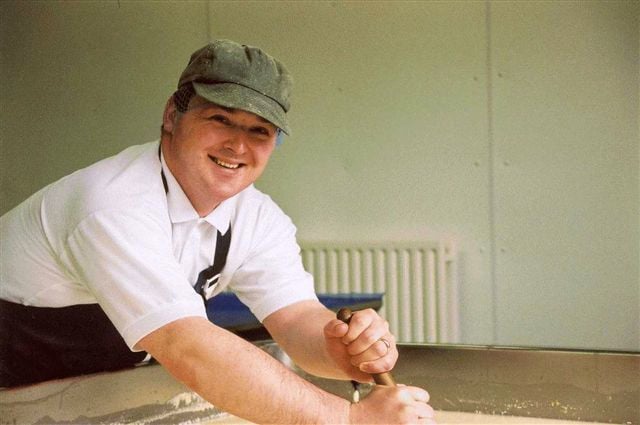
point(227, 311)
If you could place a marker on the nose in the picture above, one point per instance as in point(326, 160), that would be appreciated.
point(236, 141)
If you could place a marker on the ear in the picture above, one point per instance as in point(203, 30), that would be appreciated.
point(169, 116)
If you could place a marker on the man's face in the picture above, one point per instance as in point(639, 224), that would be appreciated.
point(215, 152)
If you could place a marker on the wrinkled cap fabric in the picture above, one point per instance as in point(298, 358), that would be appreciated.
point(241, 77)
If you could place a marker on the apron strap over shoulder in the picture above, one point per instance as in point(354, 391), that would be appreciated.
point(209, 278)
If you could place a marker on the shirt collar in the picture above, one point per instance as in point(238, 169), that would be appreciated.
point(181, 210)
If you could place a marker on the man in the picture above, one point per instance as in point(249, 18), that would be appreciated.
point(100, 268)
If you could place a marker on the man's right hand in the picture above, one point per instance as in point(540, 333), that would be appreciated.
point(393, 405)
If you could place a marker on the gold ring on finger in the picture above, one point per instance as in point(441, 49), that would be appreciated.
point(386, 343)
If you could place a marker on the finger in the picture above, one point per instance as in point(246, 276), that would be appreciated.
point(409, 394)
point(336, 329)
point(377, 349)
point(424, 411)
point(420, 395)
point(369, 337)
point(359, 322)
point(405, 394)
point(376, 340)
point(382, 365)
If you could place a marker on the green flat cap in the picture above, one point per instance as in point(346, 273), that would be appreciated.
point(241, 77)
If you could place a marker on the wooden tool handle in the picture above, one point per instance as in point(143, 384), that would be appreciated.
point(385, 378)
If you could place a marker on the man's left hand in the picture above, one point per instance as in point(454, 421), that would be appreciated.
point(362, 347)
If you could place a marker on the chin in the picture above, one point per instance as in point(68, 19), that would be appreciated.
point(227, 193)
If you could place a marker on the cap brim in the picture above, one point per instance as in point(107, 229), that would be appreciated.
point(236, 96)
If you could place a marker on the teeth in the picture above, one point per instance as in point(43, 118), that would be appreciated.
point(226, 164)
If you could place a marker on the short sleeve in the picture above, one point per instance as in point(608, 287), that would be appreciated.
point(125, 260)
point(272, 275)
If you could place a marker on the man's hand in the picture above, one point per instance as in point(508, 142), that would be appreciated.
point(393, 405)
point(326, 346)
point(362, 347)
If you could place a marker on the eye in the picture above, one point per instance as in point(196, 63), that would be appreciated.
point(260, 131)
point(219, 118)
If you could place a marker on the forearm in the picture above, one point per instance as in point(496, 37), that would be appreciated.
point(299, 331)
point(240, 378)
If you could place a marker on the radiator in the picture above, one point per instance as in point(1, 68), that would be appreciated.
point(419, 282)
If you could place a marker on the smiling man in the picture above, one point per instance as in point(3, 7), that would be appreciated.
point(119, 259)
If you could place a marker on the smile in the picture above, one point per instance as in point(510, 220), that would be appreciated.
point(225, 164)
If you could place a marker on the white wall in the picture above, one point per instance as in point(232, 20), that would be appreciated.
point(566, 172)
point(83, 80)
point(511, 126)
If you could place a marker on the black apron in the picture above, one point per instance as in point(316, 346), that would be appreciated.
point(43, 343)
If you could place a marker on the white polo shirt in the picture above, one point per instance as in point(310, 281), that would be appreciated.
point(110, 234)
